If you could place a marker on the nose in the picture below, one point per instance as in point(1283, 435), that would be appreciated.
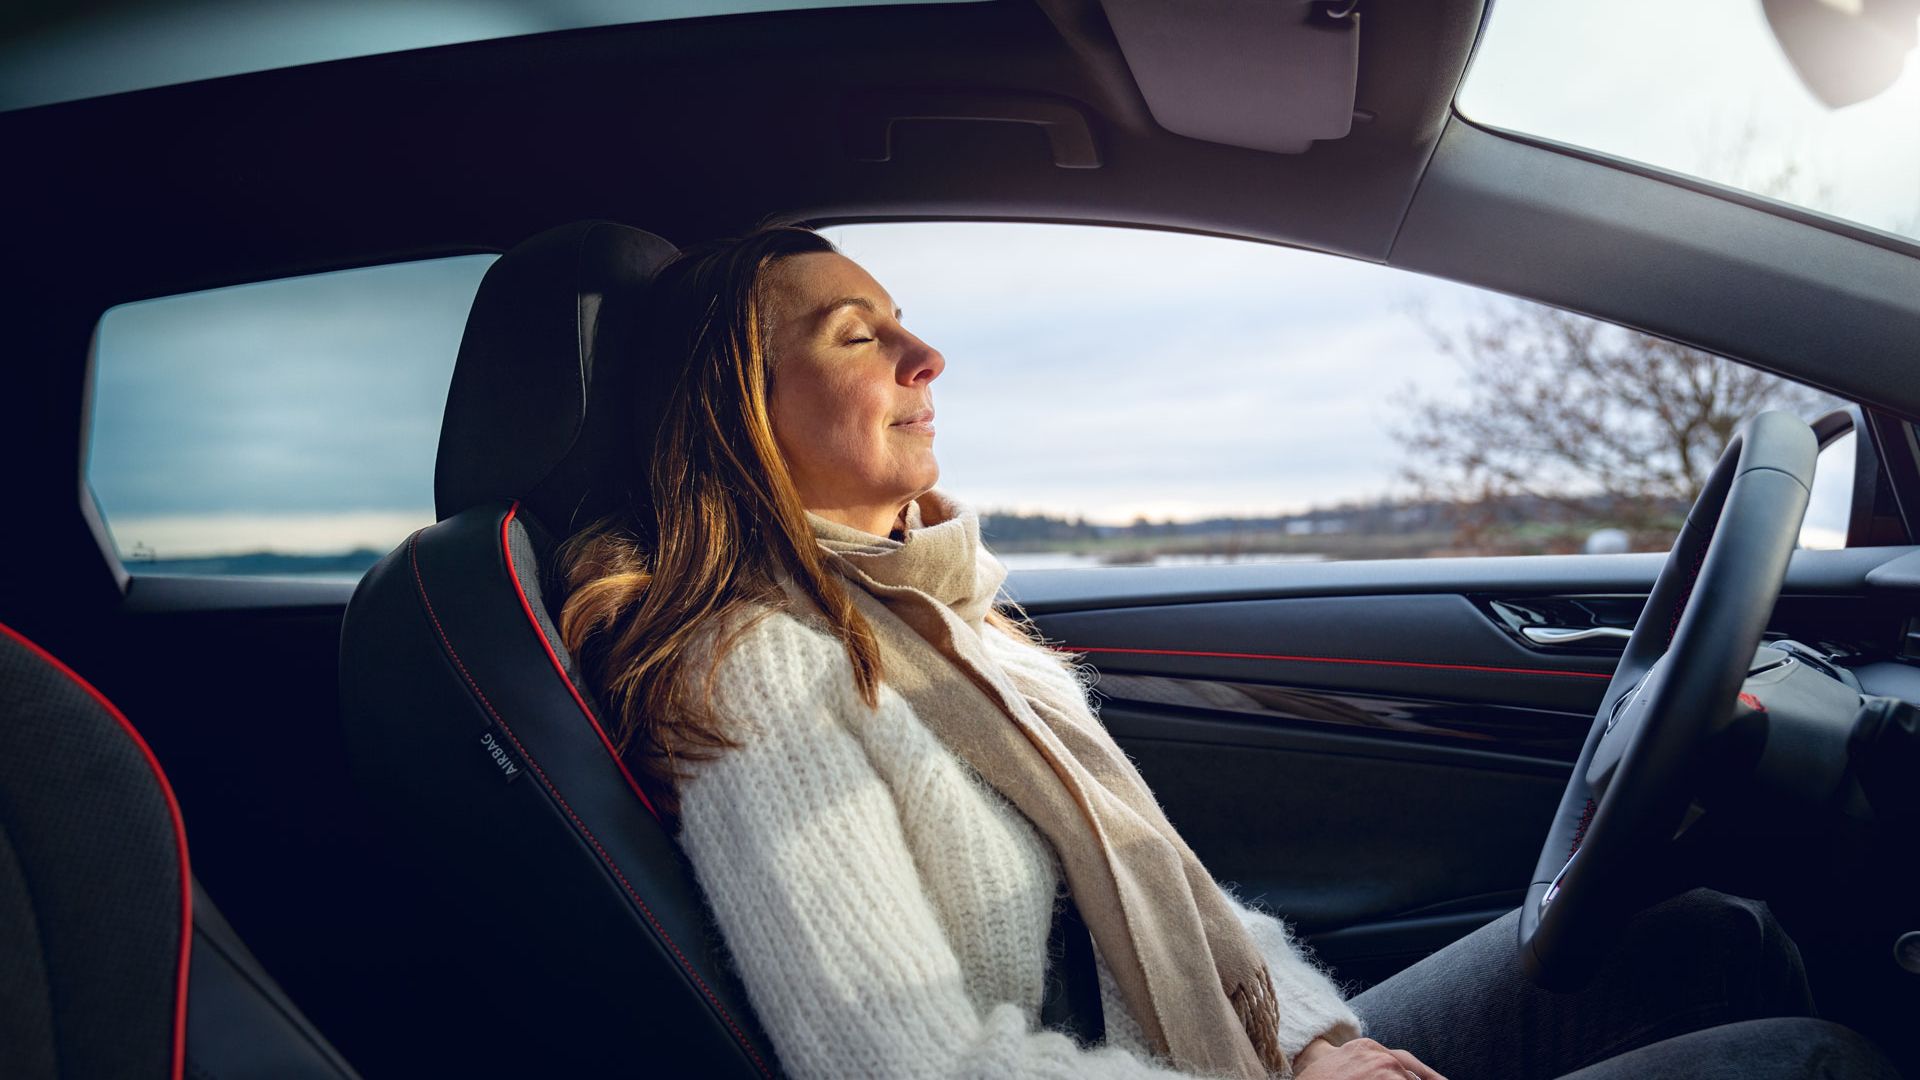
point(920, 362)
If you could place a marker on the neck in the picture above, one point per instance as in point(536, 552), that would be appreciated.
point(879, 520)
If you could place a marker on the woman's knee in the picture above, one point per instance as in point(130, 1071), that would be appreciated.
point(1798, 1047)
point(1741, 941)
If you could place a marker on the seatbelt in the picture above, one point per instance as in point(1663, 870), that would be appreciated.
point(1071, 1002)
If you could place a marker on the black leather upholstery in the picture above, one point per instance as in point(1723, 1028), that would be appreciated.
point(98, 977)
point(467, 731)
point(240, 1024)
point(518, 423)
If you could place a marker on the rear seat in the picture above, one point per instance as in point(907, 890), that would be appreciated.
point(113, 962)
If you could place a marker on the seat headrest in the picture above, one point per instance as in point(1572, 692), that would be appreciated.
point(520, 422)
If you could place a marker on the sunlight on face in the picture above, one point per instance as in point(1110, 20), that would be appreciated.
point(851, 399)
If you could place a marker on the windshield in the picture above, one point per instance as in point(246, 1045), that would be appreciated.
point(1701, 88)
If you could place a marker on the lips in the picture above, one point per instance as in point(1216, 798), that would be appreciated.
point(924, 416)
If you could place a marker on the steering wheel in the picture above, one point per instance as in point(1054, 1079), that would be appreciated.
point(1674, 689)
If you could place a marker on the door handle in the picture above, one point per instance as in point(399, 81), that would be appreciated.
point(1573, 635)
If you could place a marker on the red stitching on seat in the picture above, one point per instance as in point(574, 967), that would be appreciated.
point(685, 964)
point(179, 839)
point(559, 669)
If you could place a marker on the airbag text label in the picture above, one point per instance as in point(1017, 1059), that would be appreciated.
point(501, 758)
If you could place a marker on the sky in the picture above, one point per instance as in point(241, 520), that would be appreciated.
point(1106, 373)
point(1120, 373)
point(1679, 86)
point(297, 415)
point(1098, 372)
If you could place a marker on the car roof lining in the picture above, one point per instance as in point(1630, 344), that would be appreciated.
point(706, 126)
point(475, 146)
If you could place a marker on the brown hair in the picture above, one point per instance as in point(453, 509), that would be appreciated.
point(720, 518)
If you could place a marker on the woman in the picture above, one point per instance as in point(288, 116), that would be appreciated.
point(885, 785)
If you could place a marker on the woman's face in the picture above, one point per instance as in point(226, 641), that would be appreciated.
point(851, 399)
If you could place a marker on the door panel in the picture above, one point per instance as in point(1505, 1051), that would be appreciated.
point(1427, 646)
point(1376, 769)
point(1387, 841)
point(1367, 749)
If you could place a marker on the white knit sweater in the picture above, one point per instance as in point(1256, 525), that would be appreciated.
point(888, 911)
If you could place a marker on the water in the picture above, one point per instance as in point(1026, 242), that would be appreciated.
point(1068, 560)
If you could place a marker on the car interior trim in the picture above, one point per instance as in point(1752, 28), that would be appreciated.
point(1544, 733)
point(1777, 207)
point(506, 549)
point(1044, 592)
point(1342, 660)
point(1551, 227)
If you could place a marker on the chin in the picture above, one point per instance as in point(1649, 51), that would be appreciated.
point(916, 477)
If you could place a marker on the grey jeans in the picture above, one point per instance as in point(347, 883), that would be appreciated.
point(1702, 986)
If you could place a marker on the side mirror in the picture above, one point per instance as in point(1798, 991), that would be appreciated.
point(1860, 503)
point(1844, 52)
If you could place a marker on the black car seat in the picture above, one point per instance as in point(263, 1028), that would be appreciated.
point(470, 734)
point(113, 962)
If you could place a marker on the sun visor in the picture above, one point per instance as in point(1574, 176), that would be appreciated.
point(1273, 75)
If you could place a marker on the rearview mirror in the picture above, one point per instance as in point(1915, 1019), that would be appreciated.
point(1844, 51)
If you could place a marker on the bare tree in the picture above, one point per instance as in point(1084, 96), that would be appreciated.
point(1602, 424)
point(1589, 422)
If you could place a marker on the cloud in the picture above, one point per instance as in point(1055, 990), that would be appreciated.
point(312, 395)
point(1678, 86)
point(1112, 372)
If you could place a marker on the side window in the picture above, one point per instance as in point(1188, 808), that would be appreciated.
point(1133, 397)
point(285, 427)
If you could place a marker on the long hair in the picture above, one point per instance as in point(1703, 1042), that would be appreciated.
point(719, 519)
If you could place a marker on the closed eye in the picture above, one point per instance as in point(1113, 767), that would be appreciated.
point(858, 340)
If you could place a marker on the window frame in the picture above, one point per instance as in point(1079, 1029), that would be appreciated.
point(1892, 449)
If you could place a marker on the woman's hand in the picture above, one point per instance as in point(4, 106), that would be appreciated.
point(1358, 1059)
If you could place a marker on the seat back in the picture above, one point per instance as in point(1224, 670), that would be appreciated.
point(469, 731)
point(94, 902)
point(113, 962)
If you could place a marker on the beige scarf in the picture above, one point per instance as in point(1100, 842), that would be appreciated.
point(1186, 967)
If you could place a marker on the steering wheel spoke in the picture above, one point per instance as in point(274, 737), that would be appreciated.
point(1605, 853)
point(1624, 720)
